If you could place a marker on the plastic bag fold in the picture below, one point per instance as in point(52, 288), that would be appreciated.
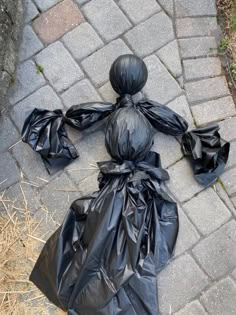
point(207, 152)
point(105, 256)
point(45, 132)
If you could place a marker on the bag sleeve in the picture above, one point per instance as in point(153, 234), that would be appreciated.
point(46, 134)
point(207, 152)
point(163, 118)
point(85, 115)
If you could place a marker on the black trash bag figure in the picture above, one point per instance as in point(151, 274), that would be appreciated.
point(104, 258)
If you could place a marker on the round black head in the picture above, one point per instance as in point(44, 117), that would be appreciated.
point(128, 74)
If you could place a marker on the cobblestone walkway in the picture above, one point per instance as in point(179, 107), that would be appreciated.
point(66, 52)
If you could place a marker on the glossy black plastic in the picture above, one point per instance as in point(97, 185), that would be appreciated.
point(208, 153)
point(104, 258)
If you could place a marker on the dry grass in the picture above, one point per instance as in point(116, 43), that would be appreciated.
point(20, 244)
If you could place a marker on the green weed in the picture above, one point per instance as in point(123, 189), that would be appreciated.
point(39, 69)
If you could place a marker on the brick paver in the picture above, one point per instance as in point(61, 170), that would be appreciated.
point(206, 89)
point(207, 211)
point(153, 34)
point(198, 47)
point(190, 27)
point(189, 8)
point(57, 21)
point(30, 43)
point(139, 10)
point(179, 283)
point(82, 41)
point(157, 72)
point(27, 81)
point(220, 299)
point(217, 253)
point(65, 56)
point(169, 55)
point(216, 110)
point(194, 308)
point(207, 67)
point(59, 67)
point(107, 18)
point(45, 97)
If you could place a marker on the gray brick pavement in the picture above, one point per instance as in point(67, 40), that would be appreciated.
point(217, 253)
point(82, 41)
point(188, 235)
point(27, 81)
point(194, 308)
point(207, 67)
point(44, 98)
point(59, 67)
point(30, 11)
point(180, 105)
point(220, 299)
point(212, 111)
point(198, 47)
point(58, 195)
point(169, 55)
point(10, 173)
point(181, 183)
point(45, 5)
point(181, 53)
point(152, 34)
point(190, 27)
point(81, 92)
point(189, 8)
point(227, 129)
point(168, 6)
point(168, 147)
point(158, 73)
point(9, 135)
point(107, 18)
point(206, 89)
point(179, 283)
point(30, 44)
point(138, 10)
point(98, 64)
point(207, 211)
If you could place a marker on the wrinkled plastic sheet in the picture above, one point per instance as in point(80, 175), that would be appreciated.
point(105, 256)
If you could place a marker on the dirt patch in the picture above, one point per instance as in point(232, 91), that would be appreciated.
point(227, 45)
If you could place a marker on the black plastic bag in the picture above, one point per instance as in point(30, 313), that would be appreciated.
point(105, 256)
point(44, 131)
point(208, 153)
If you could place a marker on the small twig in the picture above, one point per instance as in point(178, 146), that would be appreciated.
point(66, 190)
point(35, 298)
point(14, 144)
point(42, 179)
point(4, 181)
point(36, 238)
point(15, 292)
point(83, 169)
point(20, 281)
point(23, 194)
point(31, 184)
